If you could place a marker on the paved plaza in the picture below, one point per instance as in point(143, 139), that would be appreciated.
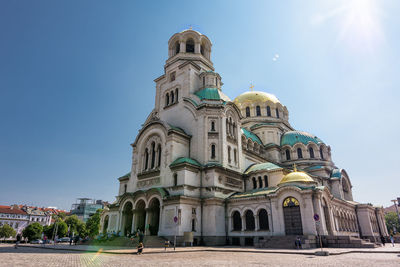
point(31, 256)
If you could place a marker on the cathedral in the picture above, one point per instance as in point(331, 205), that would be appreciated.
point(231, 172)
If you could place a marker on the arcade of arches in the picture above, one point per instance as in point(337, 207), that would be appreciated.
point(141, 217)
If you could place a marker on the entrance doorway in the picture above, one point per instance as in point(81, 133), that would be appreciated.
point(154, 216)
point(140, 215)
point(292, 216)
point(127, 214)
point(105, 225)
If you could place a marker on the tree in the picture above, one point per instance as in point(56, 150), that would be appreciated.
point(81, 230)
point(73, 222)
point(93, 224)
point(33, 231)
point(392, 220)
point(7, 231)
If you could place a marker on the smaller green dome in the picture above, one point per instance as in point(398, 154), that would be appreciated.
point(293, 137)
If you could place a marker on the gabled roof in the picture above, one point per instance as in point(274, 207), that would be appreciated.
point(211, 94)
point(251, 135)
point(126, 176)
point(183, 160)
point(266, 166)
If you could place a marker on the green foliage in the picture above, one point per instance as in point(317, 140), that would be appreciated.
point(392, 219)
point(33, 231)
point(62, 229)
point(81, 230)
point(7, 231)
point(73, 222)
point(93, 224)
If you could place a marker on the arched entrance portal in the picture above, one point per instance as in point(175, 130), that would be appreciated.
point(127, 214)
point(154, 216)
point(327, 217)
point(140, 215)
point(292, 216)
point(105, 225)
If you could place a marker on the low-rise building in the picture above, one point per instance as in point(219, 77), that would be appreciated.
point(15, 217)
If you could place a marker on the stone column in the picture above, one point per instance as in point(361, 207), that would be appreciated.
point(257, 223)
point(182, 46)
point(243, 223)
point(197, 48)
point(146, 221)
point(133, 221)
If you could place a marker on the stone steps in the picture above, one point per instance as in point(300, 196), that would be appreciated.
point(286, 242)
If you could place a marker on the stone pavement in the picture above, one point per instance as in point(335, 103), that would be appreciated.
point(31, 256)
point(124, 250)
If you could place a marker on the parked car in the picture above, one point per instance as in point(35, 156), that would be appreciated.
point(63, 239)
point(37, 241)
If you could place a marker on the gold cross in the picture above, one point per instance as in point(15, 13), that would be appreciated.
point(251, 87)
point(190, 27)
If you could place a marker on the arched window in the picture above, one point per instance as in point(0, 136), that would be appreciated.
point(202, 50)
point(258, 111)
point(146, 155)
point(216, 82)
point(268, 111)
point(153, 155)
point(247, 112)
point(260, 185)
point(321, 153)
point(263, 219)
point(172, 97)
point(234, 155)
point(277, 113)
point(204, 81)
point(299, 153)
point(190, 46)
point(176, 94)
point(265, 181)
point(229, 154)
point(125, 187)
point(311, 150)
point(237, 221)
point(177, 47)
point(213, 151)
point(254, 183)
point(167, 99)
point(175, 179)
point(212, 126)
point(250, 222)
point(287, 154)
point(159, 156)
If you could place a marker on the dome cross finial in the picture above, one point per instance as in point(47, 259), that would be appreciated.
point(251, 87)
point(294, 167)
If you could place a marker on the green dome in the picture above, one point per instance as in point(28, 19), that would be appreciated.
point(293, 137)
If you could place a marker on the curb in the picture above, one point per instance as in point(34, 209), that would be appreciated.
point(215, 250)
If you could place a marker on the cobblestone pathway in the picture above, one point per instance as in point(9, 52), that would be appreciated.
point(46, 257)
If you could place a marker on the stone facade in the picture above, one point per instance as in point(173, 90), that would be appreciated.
point(227, 169)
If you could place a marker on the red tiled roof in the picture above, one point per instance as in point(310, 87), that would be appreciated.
point(9, 210)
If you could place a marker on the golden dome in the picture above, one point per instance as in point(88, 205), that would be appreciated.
point(296, 177)
point(255, 97)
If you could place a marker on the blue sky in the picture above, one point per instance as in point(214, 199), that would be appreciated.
point(76, 83)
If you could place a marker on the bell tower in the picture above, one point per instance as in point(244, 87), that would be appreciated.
point(189, 55)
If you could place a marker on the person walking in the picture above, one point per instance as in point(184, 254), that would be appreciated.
point(18, 240)
point(298, 242)
point(392, 239)
point(383, 240)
